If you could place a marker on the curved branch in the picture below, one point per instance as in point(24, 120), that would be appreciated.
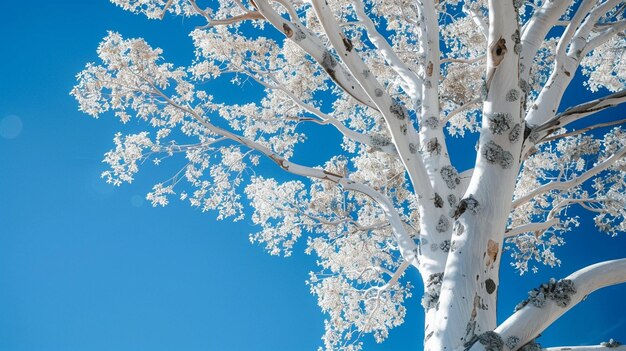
point(578, 112)
point(562, 185)
point(569, 53)
point(397, 120)
point(605, 36)
point(586, 348)
point(537, 28)
point(531, 227)
point(529, 321)
point(412, 82)
point(462, 108)
point(311, 44)
point(407, 247)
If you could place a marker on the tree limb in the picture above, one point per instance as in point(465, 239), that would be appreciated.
point(407, 247)
point(578, 112)
point(311, 44)
point(530, 227)
point(411, 81)
point(586, 348)
point(529, 321)
point(536, 29)
point(569, 52)
point(395, 115)
point(583, 130)
point(562, 185)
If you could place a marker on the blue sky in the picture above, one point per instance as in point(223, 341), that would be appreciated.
point(85, 266)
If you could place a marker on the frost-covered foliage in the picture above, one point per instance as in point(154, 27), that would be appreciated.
point(396, 79)
point(582, 171)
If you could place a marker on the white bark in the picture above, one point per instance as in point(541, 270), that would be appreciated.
point(531, 227)
point(398, 123)
point(467, 305)
point(412, 83)
point(570, 51)
point(578, 112)
point(530, 321)
point(312, 45)
point(536, 30)
point(468, 212)
point(586, 348)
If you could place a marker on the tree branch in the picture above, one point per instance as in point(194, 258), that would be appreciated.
point(311, 44)
point(529, 321)
point(326, 118)
point(480, 21)
point(395, 115)
point(578, 112)
point(562, 185)
point(411, 81)
point(535, 31)
point(569, 52)
point(605, 36)
point(462, 108)
point(531, 227)
point(586, 348)
point(583, 130)
point(252, 15)
point(407, 247)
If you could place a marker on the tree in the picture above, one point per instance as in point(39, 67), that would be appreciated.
point(400, 80)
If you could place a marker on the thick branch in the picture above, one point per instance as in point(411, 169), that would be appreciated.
point(412, 82)
point(569, 52)
point(586, 348)
point(407, 247)
point(529, 321)
point(311, 44)
point(573, 114)
point(395, 115)
point(536, 30)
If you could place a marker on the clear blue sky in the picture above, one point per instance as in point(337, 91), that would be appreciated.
point(85, 266)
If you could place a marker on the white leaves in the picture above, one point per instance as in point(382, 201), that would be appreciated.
point(159, 194)
point(353, 311)
point(125, 158)
point(605, 67)
point(276, 211)
point(279, 88)
point(570, 168)
point(155, 9)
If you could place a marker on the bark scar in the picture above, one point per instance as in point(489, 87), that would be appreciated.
point(492, 253)
point(497, 50)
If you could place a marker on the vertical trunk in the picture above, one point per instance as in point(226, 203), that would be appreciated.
point(467, 302)
point(436, 222)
